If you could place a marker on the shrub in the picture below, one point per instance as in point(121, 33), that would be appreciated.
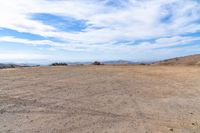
point(59, 64)
point(143, 64)
point(97, 63)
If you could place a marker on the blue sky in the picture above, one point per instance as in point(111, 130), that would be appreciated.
point(44, 31)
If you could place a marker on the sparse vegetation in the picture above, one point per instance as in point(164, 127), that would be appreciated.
point(59, 64)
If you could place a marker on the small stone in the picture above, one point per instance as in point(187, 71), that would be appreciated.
point(2, 111)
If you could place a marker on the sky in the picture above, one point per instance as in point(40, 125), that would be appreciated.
point(43, 31)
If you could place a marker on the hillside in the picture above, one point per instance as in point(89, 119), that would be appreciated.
point(186, 60)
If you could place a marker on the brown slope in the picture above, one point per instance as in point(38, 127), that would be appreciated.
point(186, 60)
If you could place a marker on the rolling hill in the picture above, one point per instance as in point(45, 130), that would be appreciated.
point(186, 60)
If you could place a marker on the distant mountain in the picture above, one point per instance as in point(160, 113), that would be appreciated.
point(78, 63)
point(8, 66)
point(2, 66)
point(104, 62)
point(118, 62)
point(186, 60)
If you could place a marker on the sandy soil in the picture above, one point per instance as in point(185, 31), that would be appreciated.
point(100, 99)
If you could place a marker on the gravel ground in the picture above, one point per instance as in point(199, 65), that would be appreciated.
point(100, 99)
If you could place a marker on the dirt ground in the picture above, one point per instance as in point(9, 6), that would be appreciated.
point(100, 99)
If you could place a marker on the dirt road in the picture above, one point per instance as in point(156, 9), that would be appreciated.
point(100, 99)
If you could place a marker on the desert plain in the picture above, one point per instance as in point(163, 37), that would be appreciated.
point(100, 99)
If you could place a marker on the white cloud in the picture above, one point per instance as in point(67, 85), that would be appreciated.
point(135, 20)
point(26, 41)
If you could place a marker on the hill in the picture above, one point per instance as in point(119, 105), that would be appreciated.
point(186, 60)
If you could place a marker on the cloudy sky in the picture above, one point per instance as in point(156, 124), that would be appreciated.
point(86, 30)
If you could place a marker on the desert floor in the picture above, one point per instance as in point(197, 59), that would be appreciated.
point(100, 99)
